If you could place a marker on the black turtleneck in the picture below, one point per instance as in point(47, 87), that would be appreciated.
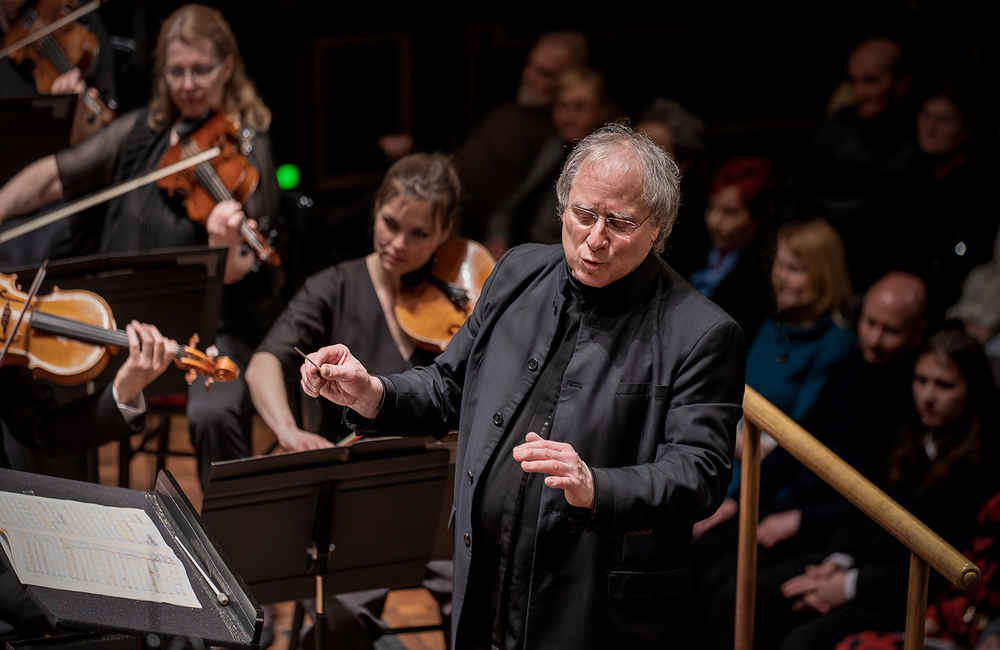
point(507, 500)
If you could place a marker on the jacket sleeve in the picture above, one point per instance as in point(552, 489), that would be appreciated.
point(693, 467)
point(426, 401)
point(39, 422)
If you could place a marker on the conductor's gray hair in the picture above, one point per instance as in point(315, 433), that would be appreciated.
point(624, 151)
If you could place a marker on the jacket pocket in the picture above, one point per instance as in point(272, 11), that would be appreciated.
point(649, 584)
point(642, 389)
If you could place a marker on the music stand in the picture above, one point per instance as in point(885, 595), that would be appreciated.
point(239, 623)
point(337, 520)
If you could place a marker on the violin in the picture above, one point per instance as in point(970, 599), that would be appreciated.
point(227, 177)
point(67, 337)
point(55, 54)
point(433, 311)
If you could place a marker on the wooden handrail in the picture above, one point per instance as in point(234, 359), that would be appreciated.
point(926, 545)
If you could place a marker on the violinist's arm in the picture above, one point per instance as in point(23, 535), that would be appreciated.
point(34, 186)
point(267, 389)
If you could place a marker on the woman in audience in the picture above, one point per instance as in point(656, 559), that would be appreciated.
point(789, 359)
point(734, 273)
point(416, 210)
point(942, 469)
point(952, 222)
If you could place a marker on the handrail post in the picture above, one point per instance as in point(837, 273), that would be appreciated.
point(746, 571)
point(916, 603)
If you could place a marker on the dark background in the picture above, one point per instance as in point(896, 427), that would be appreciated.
point(338, 74)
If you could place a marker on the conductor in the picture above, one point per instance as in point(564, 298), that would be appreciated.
point(596, 396)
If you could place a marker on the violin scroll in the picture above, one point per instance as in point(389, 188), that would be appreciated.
point(208, 364)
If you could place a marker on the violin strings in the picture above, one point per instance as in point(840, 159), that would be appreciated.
point(210, 180)
point(60, 326)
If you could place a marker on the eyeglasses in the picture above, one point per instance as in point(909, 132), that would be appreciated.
point(199, 73)
point(615, 225)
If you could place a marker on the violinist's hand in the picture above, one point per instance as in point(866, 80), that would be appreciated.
point(85, 122)
point(341, 378)
point(68, 83)
point(145, 365)
point(299, 440)
point(566, 470)
point(223, 224)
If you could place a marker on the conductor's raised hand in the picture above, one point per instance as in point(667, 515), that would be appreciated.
point(562, 464)
point(334, 373)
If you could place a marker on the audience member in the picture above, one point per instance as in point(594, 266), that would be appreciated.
point(952, 220)
point(496, 157)
point(978, 308)
point(733, 275)
point(531, 214)
point(790, 359)
point(970, 619)
point(942, 469)
point(861, 408)
point(679, 132)
point(854, 173)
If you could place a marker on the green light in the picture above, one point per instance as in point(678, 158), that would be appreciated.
point(288, 176)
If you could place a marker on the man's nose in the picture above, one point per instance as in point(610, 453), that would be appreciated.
point(598, 237)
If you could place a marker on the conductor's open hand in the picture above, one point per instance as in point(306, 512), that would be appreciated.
point(341, 378)
point(562, 464)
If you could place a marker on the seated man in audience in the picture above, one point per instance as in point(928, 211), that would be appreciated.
point(530, 215)
point(679, 132)
point(857, 165)
point(865, 401)
point(497, 156)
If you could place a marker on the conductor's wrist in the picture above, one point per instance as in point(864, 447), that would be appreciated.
point(370, 405)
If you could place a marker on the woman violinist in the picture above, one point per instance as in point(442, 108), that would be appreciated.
point(416, 210)
point(198, 70)
point(89, 60)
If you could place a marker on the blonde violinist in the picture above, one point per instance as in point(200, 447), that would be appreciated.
point(198, 72)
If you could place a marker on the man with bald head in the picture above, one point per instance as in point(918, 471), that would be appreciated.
point(864, 403)
point(854, 174)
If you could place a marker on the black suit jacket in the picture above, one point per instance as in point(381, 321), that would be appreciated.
point(650, 400)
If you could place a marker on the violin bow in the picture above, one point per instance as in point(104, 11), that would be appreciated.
point(107, 194)
point(51, 27)
point(35, 284)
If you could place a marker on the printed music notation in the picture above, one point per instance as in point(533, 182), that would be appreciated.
point(93, 549)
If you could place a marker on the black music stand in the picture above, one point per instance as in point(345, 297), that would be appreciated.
point(329, 521)
point(237, 624)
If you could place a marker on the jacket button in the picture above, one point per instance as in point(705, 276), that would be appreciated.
point(470, 476)
point(497, 419)
point(532, 364)
point(468, 540)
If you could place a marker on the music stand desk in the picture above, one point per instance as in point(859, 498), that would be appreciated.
point(237, 625)
point(363, 517)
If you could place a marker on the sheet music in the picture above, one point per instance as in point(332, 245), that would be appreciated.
point(89, 548)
